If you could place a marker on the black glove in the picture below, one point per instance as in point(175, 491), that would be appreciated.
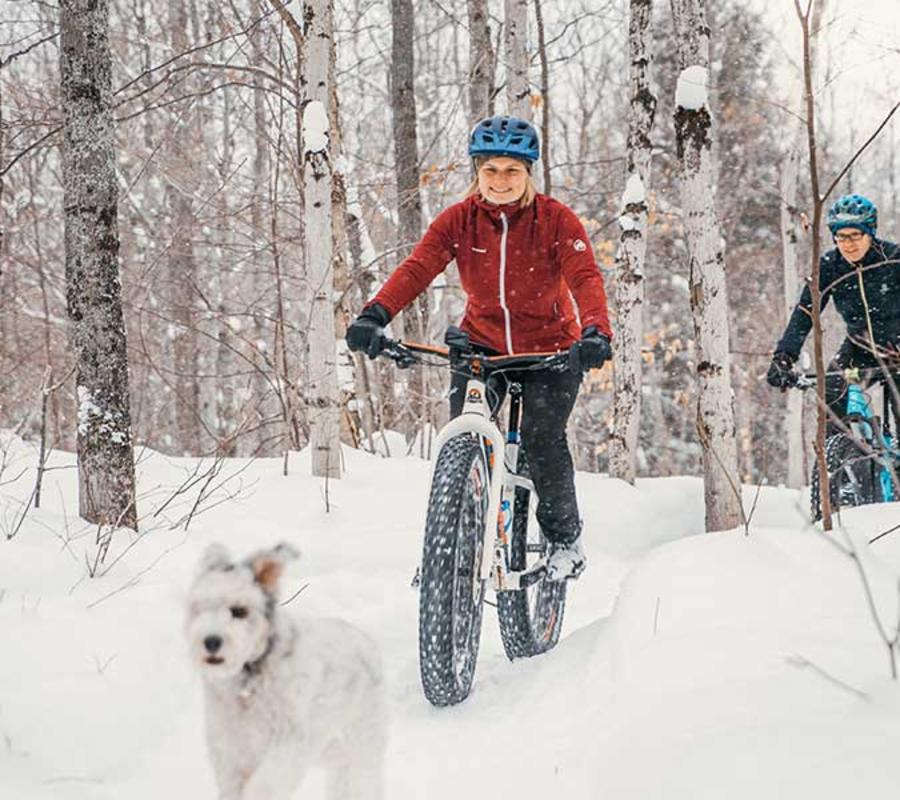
point(781, 373)
point(593, 350)
point(366, 333)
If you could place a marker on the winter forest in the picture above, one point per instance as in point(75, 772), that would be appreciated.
point(197, 200)
point(218, 295)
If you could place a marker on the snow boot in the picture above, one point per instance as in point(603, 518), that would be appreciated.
point(566, 561)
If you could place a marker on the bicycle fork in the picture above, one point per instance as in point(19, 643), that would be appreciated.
point(475, 418)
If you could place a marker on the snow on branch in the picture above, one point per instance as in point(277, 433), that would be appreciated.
point(691, 91)
point(634, 193)
point(315, 128)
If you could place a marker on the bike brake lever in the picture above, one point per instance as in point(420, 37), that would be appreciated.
point(400, 355)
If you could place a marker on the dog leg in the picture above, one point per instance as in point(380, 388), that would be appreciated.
point(277, 776)
point(229, 780)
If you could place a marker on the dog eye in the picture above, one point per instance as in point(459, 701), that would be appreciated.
point(238, 612)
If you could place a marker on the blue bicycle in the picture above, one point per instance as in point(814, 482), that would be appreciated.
point(861, 457)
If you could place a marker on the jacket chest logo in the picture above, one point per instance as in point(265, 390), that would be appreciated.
point(479, 249)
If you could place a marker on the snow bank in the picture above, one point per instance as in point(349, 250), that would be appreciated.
point(692, 666)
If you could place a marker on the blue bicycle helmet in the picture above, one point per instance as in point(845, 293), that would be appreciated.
point(505, 136)
point(853, 211)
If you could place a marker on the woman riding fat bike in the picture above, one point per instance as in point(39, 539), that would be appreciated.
point(522, 258)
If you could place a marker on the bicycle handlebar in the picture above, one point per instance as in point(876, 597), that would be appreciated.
point(405, 354)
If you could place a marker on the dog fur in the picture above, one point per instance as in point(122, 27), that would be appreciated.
point(281, 695)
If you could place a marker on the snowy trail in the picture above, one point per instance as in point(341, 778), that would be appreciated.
point(673, 679)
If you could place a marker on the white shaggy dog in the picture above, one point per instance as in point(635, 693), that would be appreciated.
point(281, 695)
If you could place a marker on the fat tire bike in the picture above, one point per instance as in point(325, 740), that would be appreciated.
point(859, 458)
point(479, 530)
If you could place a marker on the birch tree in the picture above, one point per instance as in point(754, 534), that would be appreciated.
point(515, 37)
point(791, 234)
point(632, 249)
point(323, 399)
point(481, 62)
point(695, 146)
point(104, 446)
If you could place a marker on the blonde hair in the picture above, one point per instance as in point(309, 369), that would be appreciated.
point(528, 195)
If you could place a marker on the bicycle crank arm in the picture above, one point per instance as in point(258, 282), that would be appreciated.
point(512, 581)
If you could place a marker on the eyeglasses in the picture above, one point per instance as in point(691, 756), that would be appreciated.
point(849, 238)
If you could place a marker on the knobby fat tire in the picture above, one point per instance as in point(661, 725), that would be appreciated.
point(451, 592)
point(842, 454)
point(530, 619)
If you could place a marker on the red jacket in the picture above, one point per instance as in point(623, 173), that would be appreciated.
point(519, 267)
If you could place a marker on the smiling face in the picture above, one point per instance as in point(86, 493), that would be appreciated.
point(502, 180)
point(853, 244)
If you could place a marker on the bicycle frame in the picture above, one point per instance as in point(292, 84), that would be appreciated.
point(863, 424)
point(501, 456)
point(501, 452)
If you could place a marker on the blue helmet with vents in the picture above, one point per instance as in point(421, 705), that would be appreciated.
point(853, 211)
point(505, 136)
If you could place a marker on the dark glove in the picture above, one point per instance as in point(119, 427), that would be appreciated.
point(366, 332)
point(593, 350)
point(781, 373)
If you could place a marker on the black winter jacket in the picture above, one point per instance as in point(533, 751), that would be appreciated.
point(878, 274)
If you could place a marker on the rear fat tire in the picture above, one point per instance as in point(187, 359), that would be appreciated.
point(452, 591)
point(530, 619)
point(853, 476)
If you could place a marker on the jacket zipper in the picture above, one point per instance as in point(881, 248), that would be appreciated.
point(503, 305)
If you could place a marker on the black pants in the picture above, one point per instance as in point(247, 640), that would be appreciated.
point(547, 401)
point(851, 355)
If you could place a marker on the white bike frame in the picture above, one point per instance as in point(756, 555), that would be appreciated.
point(476, 418)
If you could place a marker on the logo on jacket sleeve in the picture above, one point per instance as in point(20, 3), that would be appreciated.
point(579, 245)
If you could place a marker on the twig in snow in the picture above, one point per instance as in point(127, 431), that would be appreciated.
point(101, 667)
point(295, 594)
point(137, 577)
point(884, 533)
point(853, 554)
point(805, 663)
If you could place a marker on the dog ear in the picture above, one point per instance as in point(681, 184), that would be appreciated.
point(215, 557)
point(268, 565)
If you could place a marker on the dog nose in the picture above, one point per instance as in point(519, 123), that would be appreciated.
point(212, 643)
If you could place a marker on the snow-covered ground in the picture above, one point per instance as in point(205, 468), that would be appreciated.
point(692, 666)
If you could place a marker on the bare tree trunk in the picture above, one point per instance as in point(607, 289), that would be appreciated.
point(181, 265)
point(694, 137)
point(406, 157)
point(481, 62)
point(518, 91)
point(815, 288)
point(632, 250)
point(104, 444)
point(258, 389)
point(791, 235)
point(349, 417)
point(545, 98)
point(790, 239)
point(324, 406)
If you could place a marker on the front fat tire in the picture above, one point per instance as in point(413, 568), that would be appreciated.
point(451, 592)
point(530, 619)
point(852, 476)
